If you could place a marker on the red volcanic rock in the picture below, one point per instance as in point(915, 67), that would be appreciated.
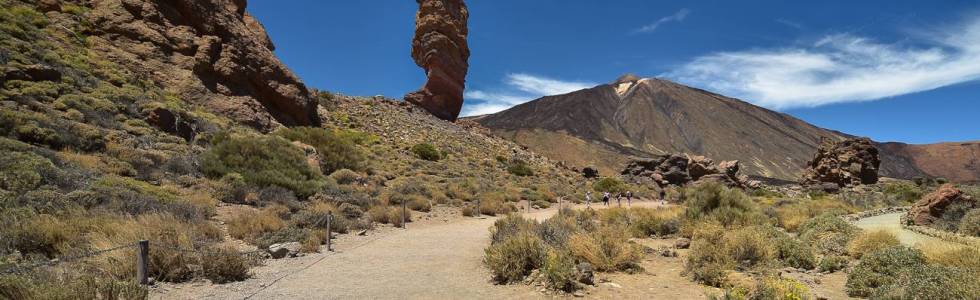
point(440, 48)
point(849, 162)
point(932, 205)
point(206, 52)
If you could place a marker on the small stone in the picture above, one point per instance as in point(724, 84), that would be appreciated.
point(682, 243)
point(613, 285)
point(578, 294)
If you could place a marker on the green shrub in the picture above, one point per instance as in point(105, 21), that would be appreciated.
point(224, 264)
point(262, 161)
point(513, 258)
point(726, 205)
point(868, 242)
point(510, 226)
point(426, 151)
point(556, 231)
point(781, 288)
point(970, 224)
point(881, 268)
point(903, 192)
point(832, 263)
point(607, 249)
point(952, 216)
point(520, 168)
point(828, 234)
point(795, 254)
point(930, 282)
point(559, 271)
point(345, 176)
point(716, 250)
point(336, 149)
point(23, 171)
point(609, 184)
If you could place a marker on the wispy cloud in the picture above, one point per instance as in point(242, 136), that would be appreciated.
point(840, 68)
point(789, 23)
point(518, 88)
point(678, 16)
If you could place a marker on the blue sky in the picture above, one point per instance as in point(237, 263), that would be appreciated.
point(891, 70)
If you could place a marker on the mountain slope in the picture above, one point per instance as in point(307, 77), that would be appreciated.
point(606, 124)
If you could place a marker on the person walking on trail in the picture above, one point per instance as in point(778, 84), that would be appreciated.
point(629, 198)
point(663, 195)
point(605, 198)
point(619, 199)
point(588, 198)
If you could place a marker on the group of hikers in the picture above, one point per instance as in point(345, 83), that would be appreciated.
point(619, 198)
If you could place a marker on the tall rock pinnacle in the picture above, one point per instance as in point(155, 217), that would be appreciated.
point(440, 48)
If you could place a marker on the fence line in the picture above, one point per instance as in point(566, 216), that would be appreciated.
point(63, 259)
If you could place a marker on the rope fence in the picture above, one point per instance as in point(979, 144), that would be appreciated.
point(143, 255)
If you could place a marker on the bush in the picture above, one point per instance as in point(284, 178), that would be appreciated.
point(493, 204)
point(953, 255)
point(556, 231)
point(609, 184)
point(312, 242)
point(781, 288)
point(716, 250)
point(398, 217)
point(791, 215)
point(262, 161)
point(520, 168)
point(930, 282)
point(881, 268)
point(559, 271)
point(62, 286)
point(646, 222)
point(513, 258)
point(510, 226)
point(868, 242)
point(345, 176)
point(379, 214)
point(248, 225)
point(903, 192)
point(337, 150)
point(828, 234)
point(832, 263)
point(224, 264)
point(420, 204)
point(426, 151)
point(726, 205)
point(283, 235)
point(607, 249)
point(970, 223)
point(953, 216)
point(795, 254)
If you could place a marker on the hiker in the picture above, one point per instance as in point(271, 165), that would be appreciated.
point(629, 198)
point(663, 195)
point(605, 198)
point(588, 198)
point(619, 199)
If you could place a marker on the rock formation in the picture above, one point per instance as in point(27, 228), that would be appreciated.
point(440, 48)
point(675, 169)
point(932, 206)
point(845, 163)
point(207, 52)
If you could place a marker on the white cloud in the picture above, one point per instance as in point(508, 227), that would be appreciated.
point(840, 68)
point(678, 16)
point(519, 88)
point(789, 23)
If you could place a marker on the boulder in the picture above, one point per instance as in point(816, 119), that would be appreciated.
point(932, 206)
point(211, 53)
point(682, 243)
point(678, 169)
point(281, 250)
point(312, 157)
point(584, 273)
point(590, 172)
point(31, 73)
point(172, 123)
point(440, 48)
point(845, 163)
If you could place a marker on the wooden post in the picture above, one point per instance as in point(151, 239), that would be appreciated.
point(142, 262)
point(404, 214)
point(329, 232)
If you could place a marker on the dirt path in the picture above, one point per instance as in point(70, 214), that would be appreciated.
point(892, 223)
point(433, 261)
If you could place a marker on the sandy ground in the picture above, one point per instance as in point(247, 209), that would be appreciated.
point(892, 223)
point(437, 257)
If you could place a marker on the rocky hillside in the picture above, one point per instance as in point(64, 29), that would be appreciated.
point(606, 124)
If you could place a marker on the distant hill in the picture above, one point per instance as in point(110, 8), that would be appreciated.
point(605, 125)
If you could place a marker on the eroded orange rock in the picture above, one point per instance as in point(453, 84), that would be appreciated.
point(440, 48)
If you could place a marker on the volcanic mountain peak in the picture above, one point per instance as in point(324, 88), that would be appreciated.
point(604, 126)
